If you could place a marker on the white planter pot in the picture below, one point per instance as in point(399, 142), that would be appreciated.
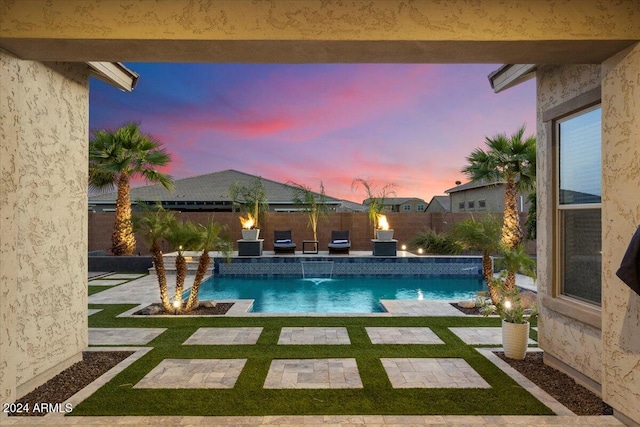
point(384, 234)
point(515, 337)
point(251, 234)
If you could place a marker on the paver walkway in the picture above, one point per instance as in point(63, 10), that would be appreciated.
point(391, 335)
point(312, 335)
point(193, 373)
point(313, 373)
point(432, 373)
point(481, 335)
point(123, 336)
point(224, 336)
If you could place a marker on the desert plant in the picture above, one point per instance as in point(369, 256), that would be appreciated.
point(483, 236)
point(114, 158)
point(312, 203)
point(375, 199)
point(512, 160)
point(435, 243)
point(252, 198)
point(152, 224)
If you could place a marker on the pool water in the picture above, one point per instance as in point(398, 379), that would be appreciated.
point(338, 295)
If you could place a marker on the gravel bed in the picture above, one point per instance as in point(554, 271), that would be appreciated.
point(43, 399)
point(219, 309)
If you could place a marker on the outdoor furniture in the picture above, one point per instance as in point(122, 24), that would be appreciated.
point(340, 241)
point(313, 244)
point(282, 242)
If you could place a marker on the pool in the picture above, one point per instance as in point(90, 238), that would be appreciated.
point(337, 295)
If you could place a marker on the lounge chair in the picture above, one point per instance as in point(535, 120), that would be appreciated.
point(340, 241)
point(282, 242)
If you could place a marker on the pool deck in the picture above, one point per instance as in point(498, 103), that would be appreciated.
point(143, 290)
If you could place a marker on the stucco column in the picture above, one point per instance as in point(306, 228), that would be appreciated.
point(620, 218)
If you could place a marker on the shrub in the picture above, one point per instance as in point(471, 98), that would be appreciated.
point(434, 243)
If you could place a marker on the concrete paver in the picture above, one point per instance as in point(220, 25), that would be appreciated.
point(481, 335)
point(313, 373)
point(432, 373)
point(193, 373)
point(123, 336)
point(224, 336)
point(312, 335)
point(394, 335)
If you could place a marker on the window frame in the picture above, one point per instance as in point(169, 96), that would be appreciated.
point(471, 205)
point(559, 209)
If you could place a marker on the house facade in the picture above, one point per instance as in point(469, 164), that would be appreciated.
point(44, 127)
point(482, 197)
point(402, 204)
point(210, 193)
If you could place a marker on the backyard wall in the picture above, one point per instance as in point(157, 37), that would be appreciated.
point(405, 226)
point(43, 200)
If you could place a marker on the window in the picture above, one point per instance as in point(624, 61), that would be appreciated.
point(579, 184)
point(420, 207)
point(461, 206)
point(471, 205)
point(406, 207)
point(482, 204)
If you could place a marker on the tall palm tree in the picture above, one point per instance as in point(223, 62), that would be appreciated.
point(513, 161)
point(153, 224)
point(481, 236)
point(114, 158)
point(210, 239)
point(313, 204)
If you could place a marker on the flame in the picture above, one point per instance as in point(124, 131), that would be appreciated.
point(383, 224)
point(247, 223)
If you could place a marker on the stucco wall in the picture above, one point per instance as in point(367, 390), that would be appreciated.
point(620, 217)
point(574, 342)
point(43, 308)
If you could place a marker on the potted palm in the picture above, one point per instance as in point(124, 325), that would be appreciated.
point(312, 203)
point(375, 200)
point(510, 306)
point(253, 198)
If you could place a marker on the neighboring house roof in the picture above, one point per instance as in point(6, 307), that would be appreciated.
point(397, 200)
point(443, 201)
point(473, 184)
point(208, 187)
point(352, 206)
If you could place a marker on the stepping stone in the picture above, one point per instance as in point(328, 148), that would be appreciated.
point(224, 336)
point(481, 336)
point(93, 311)
point(106, 282)
point(432, 373)
point(193, 373)
point(390, 335)
point(313, 374)
point(123, 276)
point(313, 335)
point(123, 336)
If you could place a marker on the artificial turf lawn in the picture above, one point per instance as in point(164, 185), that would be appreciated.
point(118, 397)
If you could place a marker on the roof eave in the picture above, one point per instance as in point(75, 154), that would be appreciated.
point(510, 75)
point(115, 74)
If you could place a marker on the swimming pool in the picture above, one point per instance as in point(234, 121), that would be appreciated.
point(337, 295)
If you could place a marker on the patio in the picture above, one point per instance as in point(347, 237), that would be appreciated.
point(385, 369)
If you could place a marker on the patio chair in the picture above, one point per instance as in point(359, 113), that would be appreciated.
point(282, 242)
point(340, 241)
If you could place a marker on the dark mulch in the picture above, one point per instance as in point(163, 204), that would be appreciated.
point(43, 399)
point(559, 385)
point(219, 309)
point(474, 310)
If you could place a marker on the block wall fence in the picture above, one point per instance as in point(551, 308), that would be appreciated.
point(405, 225)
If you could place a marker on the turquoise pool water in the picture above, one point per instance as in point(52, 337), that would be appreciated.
point(338, 295)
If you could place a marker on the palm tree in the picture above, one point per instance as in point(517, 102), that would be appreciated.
point(253, 198)
point(181, 236)
point(152, 224)
point(314, 204)
point(375, 199)
point(481, 236)
point(209, 240)
point(114, 158)
point(512, 160)
point(514, 261)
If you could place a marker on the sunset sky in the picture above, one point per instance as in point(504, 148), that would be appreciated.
point(411, 125)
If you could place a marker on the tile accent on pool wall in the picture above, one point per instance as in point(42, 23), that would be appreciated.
point(367, 266)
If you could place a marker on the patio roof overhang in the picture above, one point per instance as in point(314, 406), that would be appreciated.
point(115, 74)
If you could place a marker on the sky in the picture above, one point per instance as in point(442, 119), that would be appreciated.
point(410, 125)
